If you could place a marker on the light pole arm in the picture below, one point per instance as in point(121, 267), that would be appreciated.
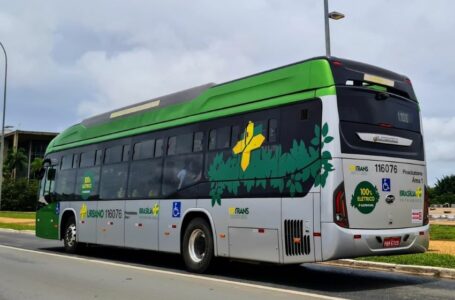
point(2, 147)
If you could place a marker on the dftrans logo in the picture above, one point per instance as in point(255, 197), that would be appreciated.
point(358, 169)
point(237, 211)
point(409, 193)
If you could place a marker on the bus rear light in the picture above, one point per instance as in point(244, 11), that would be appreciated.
point(340, 210)
point(426, 204)
point(337, 63)
point(421, 232)
point(385, 125)
point(357, 236)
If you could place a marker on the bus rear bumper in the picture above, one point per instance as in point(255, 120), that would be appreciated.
point(338, 242)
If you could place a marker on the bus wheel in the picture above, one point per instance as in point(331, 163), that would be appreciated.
point(69, 237)
point(198, 246)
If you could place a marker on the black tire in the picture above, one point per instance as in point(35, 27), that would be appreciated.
point(70, 236)
point(197, 246)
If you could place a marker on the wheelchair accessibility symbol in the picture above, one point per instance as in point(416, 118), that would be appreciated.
point(176, 206)
point(386, 184)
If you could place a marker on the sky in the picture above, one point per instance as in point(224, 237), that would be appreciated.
point(68, 60)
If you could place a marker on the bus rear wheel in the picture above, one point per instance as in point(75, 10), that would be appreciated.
point(69, 236)
point(197, 247)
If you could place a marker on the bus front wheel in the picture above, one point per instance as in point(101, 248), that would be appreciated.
point(198, 246)
point(69, 237)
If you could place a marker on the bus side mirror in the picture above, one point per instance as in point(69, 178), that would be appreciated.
point(51, 174)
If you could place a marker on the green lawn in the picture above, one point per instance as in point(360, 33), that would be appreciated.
point(442, 232)
point(18, 214)
point(421, 259)
point(17, 226)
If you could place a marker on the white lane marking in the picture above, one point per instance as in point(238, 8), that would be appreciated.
point(256, 286)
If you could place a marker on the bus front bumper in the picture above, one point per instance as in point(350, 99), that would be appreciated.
point(338, 242)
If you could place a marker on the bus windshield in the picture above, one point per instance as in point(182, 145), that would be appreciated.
point(361, 105)
point(378, 123)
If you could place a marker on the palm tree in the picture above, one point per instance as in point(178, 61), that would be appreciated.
point(15, 160)
point(36, 166)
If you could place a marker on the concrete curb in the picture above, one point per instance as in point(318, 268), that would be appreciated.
point(18, 231)
point(407, 269)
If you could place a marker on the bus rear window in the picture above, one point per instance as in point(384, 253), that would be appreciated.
point(377, 108)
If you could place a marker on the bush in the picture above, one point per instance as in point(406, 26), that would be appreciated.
point(19, 195)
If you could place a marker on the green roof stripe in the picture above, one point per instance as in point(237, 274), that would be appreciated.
point(276, 87)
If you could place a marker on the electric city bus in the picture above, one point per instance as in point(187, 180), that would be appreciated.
point(313, 161)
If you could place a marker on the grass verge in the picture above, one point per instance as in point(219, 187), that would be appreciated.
point(421, 259)
point(17, 226)
point(18, 214)
point(442, 232)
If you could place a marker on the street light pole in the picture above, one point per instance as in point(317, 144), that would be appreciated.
point(327, 29)
point(2, 147)
point(334, 15)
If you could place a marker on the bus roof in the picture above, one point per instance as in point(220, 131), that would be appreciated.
point(210, 101)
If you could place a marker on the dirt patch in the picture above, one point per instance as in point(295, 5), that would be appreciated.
point(442, 247)
point(17, 221)
point(442, 211)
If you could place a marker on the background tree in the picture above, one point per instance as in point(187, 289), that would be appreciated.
point(443, 191)
point(15, 160)
point(36, 166)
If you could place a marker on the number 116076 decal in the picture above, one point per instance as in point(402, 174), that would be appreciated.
point(386, 168)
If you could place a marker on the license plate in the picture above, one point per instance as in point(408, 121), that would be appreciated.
point(391, 242)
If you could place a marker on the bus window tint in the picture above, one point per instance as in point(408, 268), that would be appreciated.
point(67, 162)
point(113, 181)
point(181, 171)
point(159, 148)
point(263, 125)
point(145, 179)
point(75, 161)
point(197, 142)
point(223, 137)
point(87, 159)
point(171, 145)
point(65, 185)
point(126, 152)
point(98, 157)
point(273, 131)
point(235, 135)
point(184, 143)
point(212, 139)
point(113, 154)
point(143, 150)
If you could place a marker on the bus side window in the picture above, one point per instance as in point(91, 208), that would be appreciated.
point(184, 143)
point(67, 162)
point(159, 148)
point(126, 152)
point(223, 137)
point(75, 160)
point(212, 139)
point(98, 157)
point(171, 145)
point(87, 159)
point(113, 154)
point(273, 131)
point(235, 135)
point(143, 149)
point(198, 141)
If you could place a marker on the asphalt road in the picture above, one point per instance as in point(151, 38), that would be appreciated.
point(32, 268)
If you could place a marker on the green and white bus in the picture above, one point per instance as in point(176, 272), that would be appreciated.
point(313, 161)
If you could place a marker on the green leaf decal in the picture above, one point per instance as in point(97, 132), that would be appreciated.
point(270, 168)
